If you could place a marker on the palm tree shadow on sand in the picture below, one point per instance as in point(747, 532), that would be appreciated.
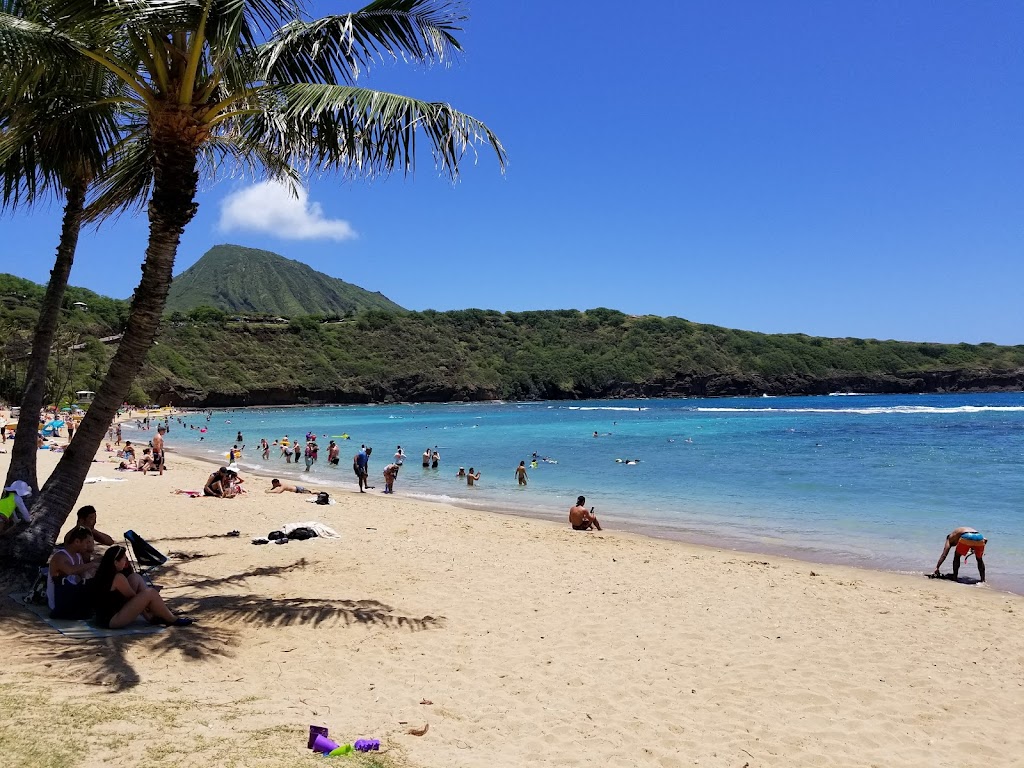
point(220, 620)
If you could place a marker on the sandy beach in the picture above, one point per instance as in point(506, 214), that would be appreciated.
point(518, 641)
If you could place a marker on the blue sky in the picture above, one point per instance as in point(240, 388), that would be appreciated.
point(831, 168)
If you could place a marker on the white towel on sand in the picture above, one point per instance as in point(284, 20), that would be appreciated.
point(321, 530)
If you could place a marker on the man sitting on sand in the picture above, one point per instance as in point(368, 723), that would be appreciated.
point(66, 591)
point(87, 519)
point(580, 519)
point(276, 486)
point(965, 540)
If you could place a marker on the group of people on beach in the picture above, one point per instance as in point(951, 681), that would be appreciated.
point(107, 589)
point(226, 483)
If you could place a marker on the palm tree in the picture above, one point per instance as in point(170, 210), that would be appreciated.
point(55, 139)
point(250, 80)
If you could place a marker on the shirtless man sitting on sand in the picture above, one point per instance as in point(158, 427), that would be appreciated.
point(965, 540)
point(276, 486)
point(580, 519)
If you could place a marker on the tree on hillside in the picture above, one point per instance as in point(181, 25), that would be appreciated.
point(250, 80)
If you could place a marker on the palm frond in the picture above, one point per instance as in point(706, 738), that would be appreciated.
point(127, 180)
point(54, 137)
point(359, 131)
point(29, 48)
point(234, 155)
point(335, 49)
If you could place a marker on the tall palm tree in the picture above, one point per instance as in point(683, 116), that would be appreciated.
point(250, 79)
point(55, 140)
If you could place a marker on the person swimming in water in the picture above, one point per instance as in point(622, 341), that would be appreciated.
point(965, 540)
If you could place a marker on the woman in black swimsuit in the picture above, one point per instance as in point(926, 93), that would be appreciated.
point(118, 603)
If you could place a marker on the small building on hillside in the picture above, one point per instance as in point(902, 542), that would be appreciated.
point(81, 306)
point(84, 397)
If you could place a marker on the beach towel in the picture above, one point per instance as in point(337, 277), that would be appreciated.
point(321, 530)
point(86, 630)
point(91, 480)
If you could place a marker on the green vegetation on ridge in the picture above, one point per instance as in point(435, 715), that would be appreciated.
point(477, 354)
point(236, 279)
point(205, 357)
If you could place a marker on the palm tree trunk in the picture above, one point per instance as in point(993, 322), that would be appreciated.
point(25, 450)
point(170, 210)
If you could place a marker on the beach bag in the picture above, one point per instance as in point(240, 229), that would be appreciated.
point(37, 592)
point(323, 498)
point(302, 534)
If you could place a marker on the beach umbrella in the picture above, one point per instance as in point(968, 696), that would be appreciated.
point(56, 424)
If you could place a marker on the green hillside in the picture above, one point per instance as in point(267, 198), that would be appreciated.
point(473, 354)
point(558, 354)
point(236, 279)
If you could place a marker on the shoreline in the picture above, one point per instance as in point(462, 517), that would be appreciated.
point(508, 637)
point(648, 528)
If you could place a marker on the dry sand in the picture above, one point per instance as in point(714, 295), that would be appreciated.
point(520, 642)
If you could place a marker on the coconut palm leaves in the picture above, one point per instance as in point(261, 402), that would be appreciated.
point(214, 85)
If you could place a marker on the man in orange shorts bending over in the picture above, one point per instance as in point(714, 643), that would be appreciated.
point(965, 540)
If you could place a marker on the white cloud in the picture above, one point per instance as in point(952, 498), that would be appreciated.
point(269, 207)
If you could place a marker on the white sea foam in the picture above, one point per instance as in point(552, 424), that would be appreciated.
point(439, 498)
point(601, 408)
point(875, 411)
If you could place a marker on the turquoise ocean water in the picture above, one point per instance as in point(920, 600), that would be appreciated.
point(868, 480)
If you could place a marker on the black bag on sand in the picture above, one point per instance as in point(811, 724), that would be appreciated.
point(302, 534)
point(323, 498)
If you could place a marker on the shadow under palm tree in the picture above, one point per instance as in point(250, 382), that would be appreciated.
point(106, 662)
point(95, 662)
point(288, 611)
point(210, 582)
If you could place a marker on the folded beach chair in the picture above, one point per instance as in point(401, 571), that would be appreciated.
point(144, 556)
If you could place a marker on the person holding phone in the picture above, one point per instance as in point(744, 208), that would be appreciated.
point(582, 520)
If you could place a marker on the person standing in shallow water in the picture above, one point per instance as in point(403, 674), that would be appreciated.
point(426, 459)
point(435, 459)
point(158, 449)
point(965, 540)
point(361, 466)
point(521, 475)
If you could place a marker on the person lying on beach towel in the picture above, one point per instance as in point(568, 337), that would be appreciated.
point(276, 486)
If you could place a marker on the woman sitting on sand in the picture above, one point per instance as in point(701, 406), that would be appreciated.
point(118, 603)
point(219, 484)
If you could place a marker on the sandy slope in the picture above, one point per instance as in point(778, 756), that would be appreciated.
point(535, 644)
